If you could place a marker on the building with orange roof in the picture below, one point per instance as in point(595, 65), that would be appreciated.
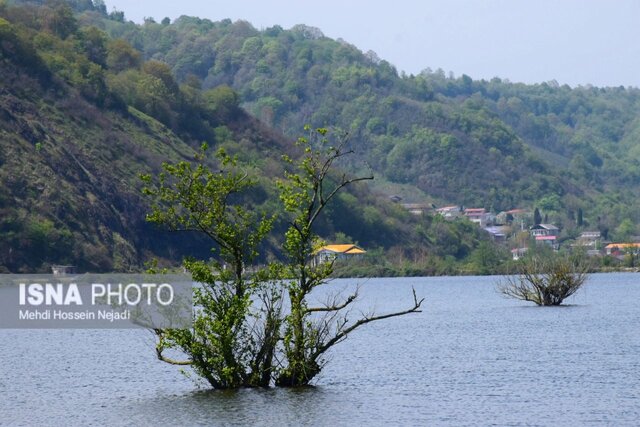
point(621, 249)
point(336, 252)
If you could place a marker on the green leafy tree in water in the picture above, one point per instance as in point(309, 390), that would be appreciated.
point(309, 331)
point(237, 320)
point(239, 328)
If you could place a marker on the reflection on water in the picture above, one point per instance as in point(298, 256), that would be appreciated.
point(471, 358)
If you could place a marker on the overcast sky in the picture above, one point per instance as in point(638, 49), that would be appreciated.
point(576, 42)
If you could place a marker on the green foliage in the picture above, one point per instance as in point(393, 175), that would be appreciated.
point(487, 258)
point(94, 44)
point(200, 200)
point(122, 56)
point(473, 142)
point(221, 347)
point(305, 193)
point(548, 203)
point(61, 20)
point(238, 322)
point(624, 231)
point(17, 46)
point(161, 71)
point(35, 241)
point(222, 101)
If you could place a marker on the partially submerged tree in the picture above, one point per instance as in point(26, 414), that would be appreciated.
point(230, 344)
point(305, 192)
point(240, 336)
point(545, 279)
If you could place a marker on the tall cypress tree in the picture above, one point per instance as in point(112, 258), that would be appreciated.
point(580, 220)
point(537, 218)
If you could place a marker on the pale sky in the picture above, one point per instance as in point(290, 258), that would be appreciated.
point(576, 42)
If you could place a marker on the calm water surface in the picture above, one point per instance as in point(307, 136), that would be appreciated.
point(470, 358)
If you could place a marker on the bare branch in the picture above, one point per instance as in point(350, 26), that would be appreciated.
point(545, 281)
point(326, 200)
point(349, 300)
point(160, 348)
point(172, 361)
point(367, 319)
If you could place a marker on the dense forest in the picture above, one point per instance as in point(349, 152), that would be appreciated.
point(85, 114)
point(429, 137)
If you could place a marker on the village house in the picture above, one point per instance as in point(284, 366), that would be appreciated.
point(543, 230)
point(515, 216)
point(589, 239)
point(546, 234)
point(518, 253)
point(590, 235)
point(498, 233)
point(477, 215)
point(450, 212)
point(417, 208)
point(336, 252)
point(61, 270)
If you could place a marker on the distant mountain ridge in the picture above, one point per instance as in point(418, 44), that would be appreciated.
point(492, 144)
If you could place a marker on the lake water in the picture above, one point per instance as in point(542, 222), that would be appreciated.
point(471, 357)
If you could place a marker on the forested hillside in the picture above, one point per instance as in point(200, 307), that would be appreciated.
point(429, 137)
point(83, 114)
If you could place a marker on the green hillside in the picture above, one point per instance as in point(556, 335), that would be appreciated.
point(428, 137)
point(83, 114)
